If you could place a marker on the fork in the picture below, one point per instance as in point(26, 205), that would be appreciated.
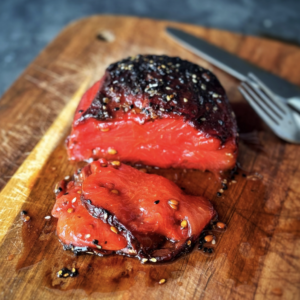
point(283, 121)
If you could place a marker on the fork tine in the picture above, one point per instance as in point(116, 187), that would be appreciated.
point(269, 102)
point(250, 97)
point(268, 92)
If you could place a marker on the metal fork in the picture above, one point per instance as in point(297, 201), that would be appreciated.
point(284, 122)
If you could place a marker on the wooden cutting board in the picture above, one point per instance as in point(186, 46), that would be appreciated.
point(258, 255)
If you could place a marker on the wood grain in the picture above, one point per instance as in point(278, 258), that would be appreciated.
point(257, 257)
point(17, 190)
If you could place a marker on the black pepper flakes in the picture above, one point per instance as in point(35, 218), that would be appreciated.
point(224, 185)
point(219, 194)
point(156, 202)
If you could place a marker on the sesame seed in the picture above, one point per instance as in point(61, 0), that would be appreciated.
point(116, 163)
point(106, 100)
point(203, 119)
point(98, 246)
point(153, 259)
point(233, 181)
point(208, 238)
point(111, 151)
point(115, 192)
point(185, 100)
point(104, 107)
point(184, 224)
point(70, 210)
point(221, 225)
point(132, 251)
point(174, 202)
point(213, 241)
point(74, 200)
point(114, 229)
point(73, 270)
point(87, 236)
point(48, 217)
point(66, 275)
point(203, 86)
point(27, 218)
point(144, 260)
point(162, 281)
point(162, 109)
point(194, 80)
point(189, 243)
point(221, 191)
point(104, 129)
point(168, 88)
point(215, 108)
point(215, 95)
point(67, 177)
point(59, 272)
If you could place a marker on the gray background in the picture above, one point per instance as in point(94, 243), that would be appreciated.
point(26, 26)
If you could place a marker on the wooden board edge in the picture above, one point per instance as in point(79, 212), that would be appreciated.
point(17, 190)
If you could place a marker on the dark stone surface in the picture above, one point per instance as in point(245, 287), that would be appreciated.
point(26, 26)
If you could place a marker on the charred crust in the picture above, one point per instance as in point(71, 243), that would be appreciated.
point(166, 86)
point(106, 217)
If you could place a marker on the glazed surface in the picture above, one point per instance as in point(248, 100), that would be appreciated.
point(128, 212)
